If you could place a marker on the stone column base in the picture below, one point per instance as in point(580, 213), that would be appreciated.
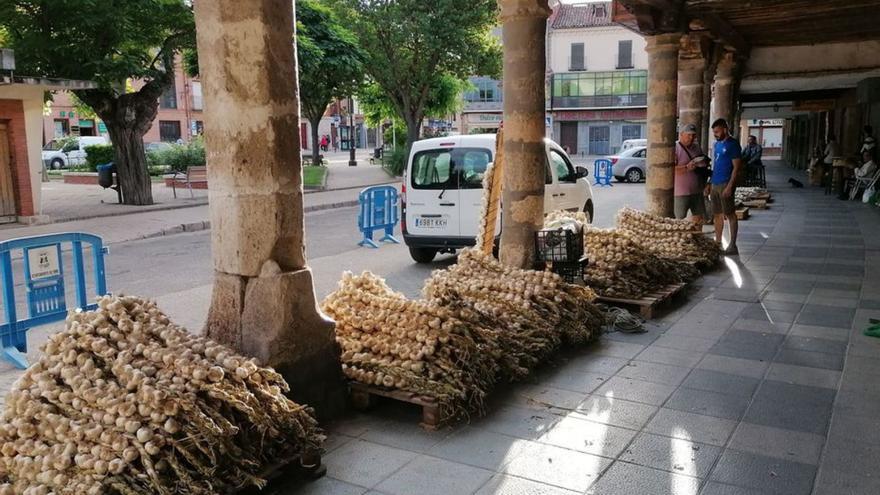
point(275, 318)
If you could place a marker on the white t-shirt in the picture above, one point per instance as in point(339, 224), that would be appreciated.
point(867, 170)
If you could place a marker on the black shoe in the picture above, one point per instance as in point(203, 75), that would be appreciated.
point(731, 251)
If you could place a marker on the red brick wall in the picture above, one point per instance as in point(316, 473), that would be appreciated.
point(12, 113)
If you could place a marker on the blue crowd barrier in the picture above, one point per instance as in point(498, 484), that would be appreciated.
point(602, 171)
point(43, 277)
point(379, 211)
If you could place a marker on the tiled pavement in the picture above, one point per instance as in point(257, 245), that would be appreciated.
point(761, 384)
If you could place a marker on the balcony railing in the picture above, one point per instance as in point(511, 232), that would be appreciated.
point(604, 101)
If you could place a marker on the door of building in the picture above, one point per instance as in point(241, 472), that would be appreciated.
point(7, 192)
point(568, 136)
point(600, 137)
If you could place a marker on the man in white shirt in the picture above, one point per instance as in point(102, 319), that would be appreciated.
point(869, 168)
point(831, 151)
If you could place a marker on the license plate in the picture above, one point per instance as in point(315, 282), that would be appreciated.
point(430, 223)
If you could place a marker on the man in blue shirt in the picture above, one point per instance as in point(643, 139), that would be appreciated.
point(726, 170)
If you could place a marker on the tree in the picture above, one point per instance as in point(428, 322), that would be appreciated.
point(109, 42)
point(412, 45)
point(330, 63)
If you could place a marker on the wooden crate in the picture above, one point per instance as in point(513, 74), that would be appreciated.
point(649, 304)
point(286, 471)
point(764, 195)
point(364, 396)
point(742, 213)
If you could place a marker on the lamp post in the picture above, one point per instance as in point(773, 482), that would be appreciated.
point(352, 162)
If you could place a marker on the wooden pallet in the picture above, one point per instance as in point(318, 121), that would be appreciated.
point(649, 303)
point(757, 204)
point(764, 195)
point(742, 213)
point(283, 472)
point(364, 396)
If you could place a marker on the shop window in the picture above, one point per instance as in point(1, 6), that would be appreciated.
point(169, 130)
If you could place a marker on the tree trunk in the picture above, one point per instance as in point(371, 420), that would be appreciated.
point(413, 131)
point(131, 164)
point(316, 142)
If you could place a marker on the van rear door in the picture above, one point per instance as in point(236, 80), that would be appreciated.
point(470, 164)
point(432, 194)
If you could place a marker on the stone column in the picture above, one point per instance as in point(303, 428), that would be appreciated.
point(524, 23)
point(725, 80)
point(263, 302)
point(662, 115)
point(692, 65)
point(852, 130)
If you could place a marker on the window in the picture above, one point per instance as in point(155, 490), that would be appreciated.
point(631, 131)
point(197, 95)
point(577, 57)
point(198, 128)
point(62, 127)
point(169, 130)
point(450, 168)
point(624, 54)
point(485, 90)
point(168, 99)
point(564, 170)
point(600, 89)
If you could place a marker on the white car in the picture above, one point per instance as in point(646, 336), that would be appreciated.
point(64, 153)
point(629, 165)
point(633, 143)
point(443, 189)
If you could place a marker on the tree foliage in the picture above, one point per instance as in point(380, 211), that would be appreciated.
point(330, 62)
point(414, 47)
point(109, 42)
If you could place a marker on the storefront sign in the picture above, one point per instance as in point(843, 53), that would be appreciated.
point(587, 115)
point(43, 262)
point(767, 122)
point(813, 105)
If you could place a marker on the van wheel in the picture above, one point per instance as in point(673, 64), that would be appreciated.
point(422, 255)
point(56, 164)
point(588, 210)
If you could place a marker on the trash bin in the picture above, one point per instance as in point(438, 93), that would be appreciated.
point(105, 174)
point(377, 153)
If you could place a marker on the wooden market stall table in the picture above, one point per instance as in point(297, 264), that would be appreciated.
point(842, 168)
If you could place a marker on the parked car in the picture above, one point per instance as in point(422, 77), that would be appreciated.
point(157, 146)
point(633, 143)
point(629, 165)
point(69, 152)
point(443, 189)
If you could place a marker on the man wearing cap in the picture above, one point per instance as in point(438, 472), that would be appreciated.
point(689, 181)
point(726, 168)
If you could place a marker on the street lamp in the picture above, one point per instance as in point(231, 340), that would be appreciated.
point(352, 162)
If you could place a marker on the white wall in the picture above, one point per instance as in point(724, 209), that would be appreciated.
point(600, 48)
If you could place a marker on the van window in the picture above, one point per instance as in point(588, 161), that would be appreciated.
point(564, 170)
point(53, 145)
point(450, 168)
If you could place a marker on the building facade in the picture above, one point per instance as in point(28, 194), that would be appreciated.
point(598, 80)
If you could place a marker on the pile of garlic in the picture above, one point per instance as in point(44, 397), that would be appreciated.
point(479, 322)
point(669, 238)
point(747, 193)
point(123, 401)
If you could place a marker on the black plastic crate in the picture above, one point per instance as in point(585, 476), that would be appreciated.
point(560, 245)
point(570, 271)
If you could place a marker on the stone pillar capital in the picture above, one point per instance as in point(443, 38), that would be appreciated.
point(665, 42)
point(518, 9)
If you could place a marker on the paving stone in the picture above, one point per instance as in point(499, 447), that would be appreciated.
point(544, 398)
point(714, 488)
point(421, 476)
point(478, 447)
point(672, 357)
point(615, 411)
point(832, 482)
point(827, 333)
point(626, 479)
point(571, 379)
point(518, 422)
point(616, 349)
point(753, 352)
point(722, 383)
point(365, 463)
point(676, 455)
point(734, 366)
point(708, 403)
point(587, 436)
point(786, 296)
point(860, 364)
point(334, 441)
point(557, 466)
point(869, 303)
point(502, 484)
point(764, 473)
point(849, 456)
point(406, 435)
point(860, 402)
point(813, 344)
point(811, 359)
point(837, 302)
point(738, 295)
point(682, 343)
point(761, 326)
point(792, 407)
point(776, 442)
point(635, 390)
point(324, 486)
point(825, 316)
point(849, 427)
point(590, 363)
point(804, 375)
point(654, 372)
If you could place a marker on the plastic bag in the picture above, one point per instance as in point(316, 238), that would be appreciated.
point(869, 193)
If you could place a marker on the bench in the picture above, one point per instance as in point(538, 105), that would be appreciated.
point(193, 175)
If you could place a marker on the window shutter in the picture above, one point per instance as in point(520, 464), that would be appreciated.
point(624, 54)
point(577, 56)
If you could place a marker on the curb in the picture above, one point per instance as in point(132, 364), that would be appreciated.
point(122, 213)
point(206, 225)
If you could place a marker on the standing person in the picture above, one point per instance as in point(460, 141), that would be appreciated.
point(689, 182)
point(752, 153)
point(869, 144)
point(831, 150)
point(726, 169)
point(324, 143)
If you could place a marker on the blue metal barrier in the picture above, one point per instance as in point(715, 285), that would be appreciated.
point(44, 284)
point(379, 211)
point(602, 172)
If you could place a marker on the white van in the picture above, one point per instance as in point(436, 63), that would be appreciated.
point(63, 153)
point(443, 189)
point(633, 143)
